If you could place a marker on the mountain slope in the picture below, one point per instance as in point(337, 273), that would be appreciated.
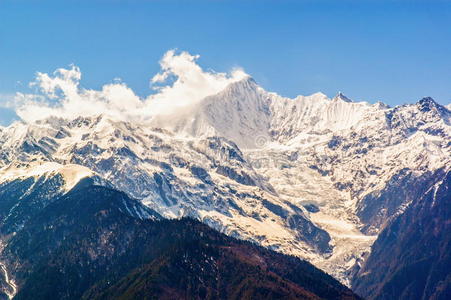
point(208, 179)
point(411, 257)
point(88, 243)
point(26, 191)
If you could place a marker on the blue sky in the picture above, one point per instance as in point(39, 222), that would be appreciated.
point(393, 51)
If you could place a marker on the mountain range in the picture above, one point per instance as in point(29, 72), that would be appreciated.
point(359, 190)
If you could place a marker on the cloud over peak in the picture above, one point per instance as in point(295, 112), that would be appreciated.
point(180, 83)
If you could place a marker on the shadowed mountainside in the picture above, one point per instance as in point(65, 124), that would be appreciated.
point(88, 244)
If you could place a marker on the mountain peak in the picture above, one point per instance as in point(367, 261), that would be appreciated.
point(427, 100)
point(342, 97)
point(247, 82)
point(317, 95)
point(427, 104)
point(381, 105)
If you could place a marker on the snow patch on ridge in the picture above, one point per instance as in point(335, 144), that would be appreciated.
point(71, 173)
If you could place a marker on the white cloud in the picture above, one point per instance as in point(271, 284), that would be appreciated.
point(181, 83)
point(191, 83)
point(64, 80)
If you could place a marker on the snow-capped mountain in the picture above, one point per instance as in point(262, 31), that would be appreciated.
point(309, 176)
